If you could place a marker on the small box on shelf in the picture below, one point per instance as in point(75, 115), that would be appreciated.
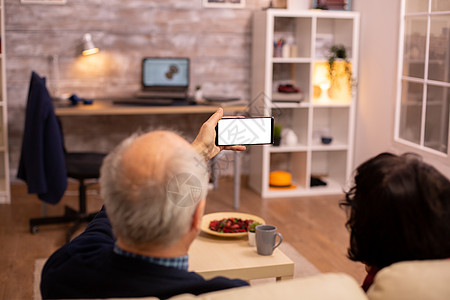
point(285, 97)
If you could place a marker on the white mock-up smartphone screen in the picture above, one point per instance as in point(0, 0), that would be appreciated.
point(244, 131)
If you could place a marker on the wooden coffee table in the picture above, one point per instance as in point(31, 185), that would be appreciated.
point(212, 256)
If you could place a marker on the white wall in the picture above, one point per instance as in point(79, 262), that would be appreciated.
point(375, 118)
point(377, 77)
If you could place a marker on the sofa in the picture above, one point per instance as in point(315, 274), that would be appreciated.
point(413, 280)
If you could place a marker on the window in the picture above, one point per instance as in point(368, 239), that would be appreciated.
point(422, 119)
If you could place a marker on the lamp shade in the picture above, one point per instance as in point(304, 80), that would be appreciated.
point(88, 45)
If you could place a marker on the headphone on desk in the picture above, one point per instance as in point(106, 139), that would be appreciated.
point(75, 100)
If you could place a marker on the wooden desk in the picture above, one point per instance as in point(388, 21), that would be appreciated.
point(233, 258)
point(105, 107)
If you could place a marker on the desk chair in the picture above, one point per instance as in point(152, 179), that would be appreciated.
point(45, 165)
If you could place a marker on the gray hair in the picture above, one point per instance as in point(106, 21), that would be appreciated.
point(157, 211)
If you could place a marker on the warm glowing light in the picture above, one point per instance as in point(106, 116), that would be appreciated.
point(93, 67)
point(90, 51)
point(88, 45)
point(321, 79)
point(87, 48)
point(336, 90)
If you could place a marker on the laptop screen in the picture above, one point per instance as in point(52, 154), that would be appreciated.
point(165, 72)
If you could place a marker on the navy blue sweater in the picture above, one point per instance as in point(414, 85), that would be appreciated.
point(88, 267)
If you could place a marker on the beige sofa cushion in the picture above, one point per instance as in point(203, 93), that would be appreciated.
point(412, 280)
point(324, 286)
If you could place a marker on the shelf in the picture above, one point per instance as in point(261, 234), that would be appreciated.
point(293, 98)
point(289, 192)
point(296, 74)
point(331, 103)
point(312, 32)
point(332, 188)
point(277, 104)
point(281, 149)
point(291, 60)
point(335, 14)
point(330, 147)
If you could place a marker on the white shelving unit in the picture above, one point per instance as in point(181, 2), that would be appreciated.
point(4, 161)
point(332, 163)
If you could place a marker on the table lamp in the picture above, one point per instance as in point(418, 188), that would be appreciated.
point(86, 45)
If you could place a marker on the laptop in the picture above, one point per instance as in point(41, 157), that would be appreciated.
point(165, 77)
point(165, 80)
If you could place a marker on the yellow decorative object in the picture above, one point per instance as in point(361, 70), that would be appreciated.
point(280, 179)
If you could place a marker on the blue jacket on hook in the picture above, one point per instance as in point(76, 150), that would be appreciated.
point(42, 163)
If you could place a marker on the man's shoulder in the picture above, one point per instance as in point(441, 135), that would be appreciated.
point(166, 282)
point(202, 285)
point(226, 282)
point(221, 283)
point(121, 276)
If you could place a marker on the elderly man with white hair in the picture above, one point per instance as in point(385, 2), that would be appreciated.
point(154, 188)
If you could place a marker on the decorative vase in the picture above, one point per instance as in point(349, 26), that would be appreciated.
point(298, 4)
point(289, 137)
point(198, 96)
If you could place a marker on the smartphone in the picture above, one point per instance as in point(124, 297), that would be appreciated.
point(244, 131)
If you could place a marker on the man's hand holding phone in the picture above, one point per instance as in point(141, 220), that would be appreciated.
point(204, 142)
point(244, 131)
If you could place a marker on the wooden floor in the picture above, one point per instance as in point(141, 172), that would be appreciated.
point(313, 225)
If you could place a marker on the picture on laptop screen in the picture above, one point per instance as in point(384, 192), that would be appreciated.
point(165, 72)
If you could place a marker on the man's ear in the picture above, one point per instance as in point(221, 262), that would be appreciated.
point(198, 214)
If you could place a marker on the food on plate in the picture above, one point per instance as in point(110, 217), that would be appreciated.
point(230, 225)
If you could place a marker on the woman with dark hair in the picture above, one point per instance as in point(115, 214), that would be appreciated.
point(399, 210)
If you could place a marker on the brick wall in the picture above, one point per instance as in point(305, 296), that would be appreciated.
point(217, 40)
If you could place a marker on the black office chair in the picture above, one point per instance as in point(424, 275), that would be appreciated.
point(45, 165)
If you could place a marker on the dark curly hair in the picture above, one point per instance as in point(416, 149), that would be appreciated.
point(399, 209)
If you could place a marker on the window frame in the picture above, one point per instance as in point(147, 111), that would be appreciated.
point(412, 146)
